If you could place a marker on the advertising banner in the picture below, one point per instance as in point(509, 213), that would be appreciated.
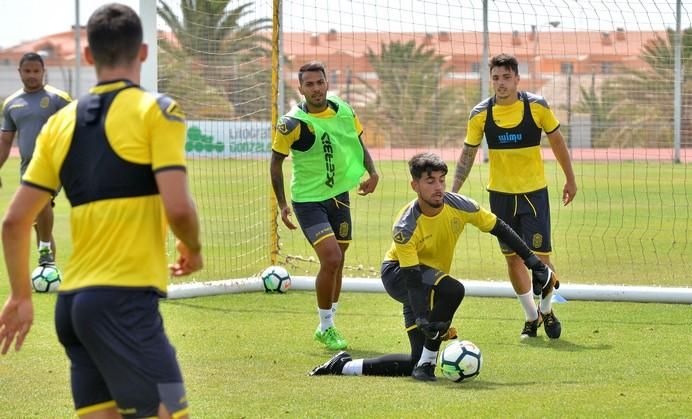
point(229, 139)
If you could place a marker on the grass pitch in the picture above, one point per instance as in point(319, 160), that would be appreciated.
point(247, 355)
point(630, 223)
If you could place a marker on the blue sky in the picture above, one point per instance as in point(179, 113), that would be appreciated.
point(24, 20)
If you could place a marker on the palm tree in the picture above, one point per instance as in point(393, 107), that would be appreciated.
point(605, 111)
point(232, 58)
point(409, 105)
point(638, 105)
point(199, 100)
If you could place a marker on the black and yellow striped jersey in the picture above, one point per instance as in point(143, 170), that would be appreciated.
point(516, 163)
point(105, 149)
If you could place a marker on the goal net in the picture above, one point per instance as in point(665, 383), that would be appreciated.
point(613, 73)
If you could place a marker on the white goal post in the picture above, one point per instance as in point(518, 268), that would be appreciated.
point(473, 288)
point(643, 236)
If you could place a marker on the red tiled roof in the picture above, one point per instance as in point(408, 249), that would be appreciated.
point(62, 44)
point(556, 43)
point(549, 44)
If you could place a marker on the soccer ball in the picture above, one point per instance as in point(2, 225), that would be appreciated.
point(461, 360)
point(276, 279)
point(46, 278)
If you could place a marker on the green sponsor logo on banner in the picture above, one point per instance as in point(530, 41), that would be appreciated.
point(197, 141)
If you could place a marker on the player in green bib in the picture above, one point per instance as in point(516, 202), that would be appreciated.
point(325, 140)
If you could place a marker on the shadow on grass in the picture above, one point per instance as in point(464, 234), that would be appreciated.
point(563, 345)
point(230, 310)
point(480, 384)
point(460, 318)
point(614, 319)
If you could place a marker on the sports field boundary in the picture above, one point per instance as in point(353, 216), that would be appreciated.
point(600, 155)
point(628, 293)
point(578, 154)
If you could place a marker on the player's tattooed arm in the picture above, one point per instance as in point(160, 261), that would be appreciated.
point(464, 165)
point(368, 163)
point(368, 185)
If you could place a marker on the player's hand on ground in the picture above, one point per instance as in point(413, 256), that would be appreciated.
point(15, 322)
point(188, 261)
point(285, 217)
point(432, 330)
point(569, 191)
point(368, 185)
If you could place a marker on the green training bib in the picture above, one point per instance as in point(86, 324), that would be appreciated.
point(334, 163)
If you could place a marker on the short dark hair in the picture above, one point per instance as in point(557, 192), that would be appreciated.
point(114, 32)
point(426, 162)
point(311, 66)
point(31, 56)
point(504, 60)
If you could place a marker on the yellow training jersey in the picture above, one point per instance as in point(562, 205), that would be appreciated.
point(514, 153)
point(291, 132)
point(106, 164)
point(422, 240)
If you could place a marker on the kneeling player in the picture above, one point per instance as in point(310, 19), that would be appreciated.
point(415, 272)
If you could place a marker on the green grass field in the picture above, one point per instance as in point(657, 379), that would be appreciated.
point(631, 223)
point(247, 355)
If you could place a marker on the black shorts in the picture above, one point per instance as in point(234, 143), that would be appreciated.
point(331, 217)
point(119, 353)
point(395, 285)
point(528, 214)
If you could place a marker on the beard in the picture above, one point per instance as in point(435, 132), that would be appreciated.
point(318, 102)
point(434, 204)
point(32, 84)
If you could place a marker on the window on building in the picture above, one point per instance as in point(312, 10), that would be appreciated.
point(475, 67)
point(606, 67)
point(334, 77)
point(566, 68)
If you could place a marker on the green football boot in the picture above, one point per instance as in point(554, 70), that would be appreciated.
point(331, 338)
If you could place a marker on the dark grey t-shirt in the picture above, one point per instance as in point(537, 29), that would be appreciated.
point(25, 113)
